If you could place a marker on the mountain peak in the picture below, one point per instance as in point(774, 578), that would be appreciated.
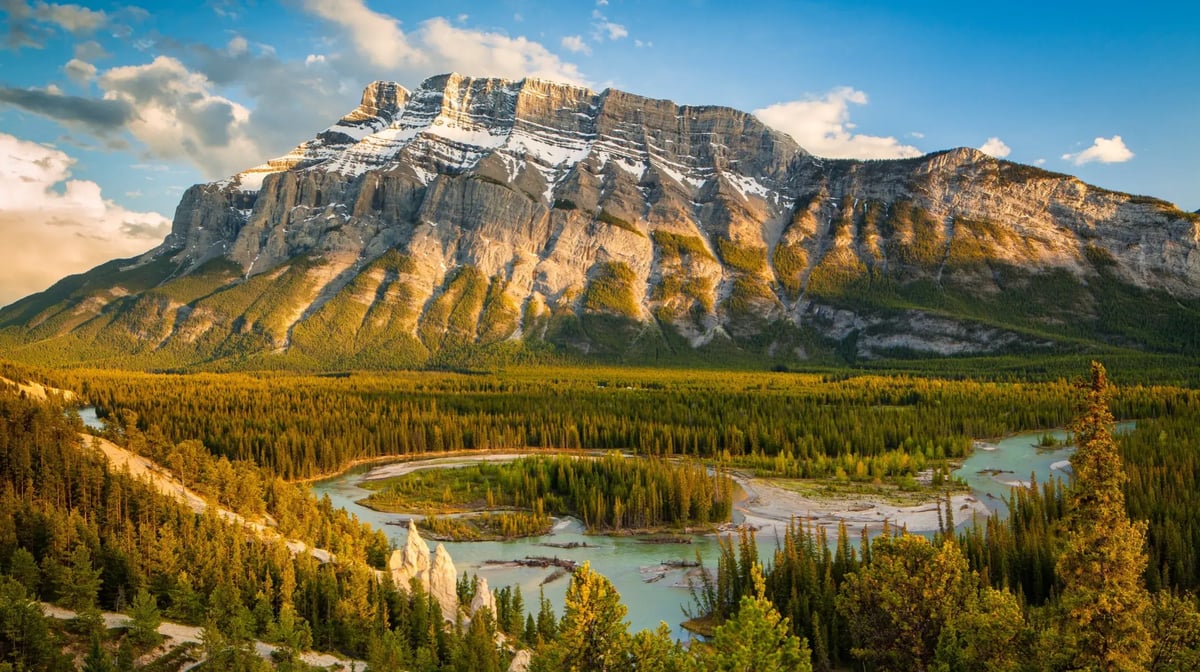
point(483, 212)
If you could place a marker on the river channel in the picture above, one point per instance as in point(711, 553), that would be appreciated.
point(651, 592)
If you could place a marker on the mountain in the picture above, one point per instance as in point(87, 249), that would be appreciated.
point(475, 218)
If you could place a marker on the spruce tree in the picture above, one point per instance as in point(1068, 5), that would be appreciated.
point(593, 635)
point(1103, 600)
point(756, 639)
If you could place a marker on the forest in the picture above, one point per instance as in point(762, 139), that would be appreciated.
point(1008, 593)
point(608, 494)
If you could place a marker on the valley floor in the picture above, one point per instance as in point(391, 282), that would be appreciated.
point(769, 504)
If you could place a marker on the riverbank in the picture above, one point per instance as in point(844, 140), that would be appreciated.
point(764, 504)
point(770, 505)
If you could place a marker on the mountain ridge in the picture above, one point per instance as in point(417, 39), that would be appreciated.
point(476, 213)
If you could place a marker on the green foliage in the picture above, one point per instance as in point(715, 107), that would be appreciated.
point(612, 290)
point(744, 258)
point(1103, 598)
point(756, 639)
point(790, 262)
point(144, 620)
point(613, 220)
point(500, 313)
point(679, 246)
point(748, 295)
point(611, 493)
point(593, 635)
point(488, 526)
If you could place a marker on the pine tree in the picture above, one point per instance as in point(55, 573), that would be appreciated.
point(144, 620)
point(97, 660)
point(1103, 601)
point(593, 635)
point(80, 581)
point(756, 639)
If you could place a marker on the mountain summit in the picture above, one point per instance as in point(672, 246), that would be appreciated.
point(485, 217)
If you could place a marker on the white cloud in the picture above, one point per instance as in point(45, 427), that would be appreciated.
point(995, 147)
point(601, 3)
point(238, 45)
point(822, 126)
point(313, 59)
point(576, 44)
point(80, 72)
point(479, 53)
point(1103, 150)
point(918, 135)
point(1039, 162)
point(180, 117)
point(615, 31)
point(54, 226)
point(376, 36)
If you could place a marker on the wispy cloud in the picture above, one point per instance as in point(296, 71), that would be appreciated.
point(576, 44)
point(1103, 150)
point(603, 28)
point(995, 147)
point(821, 125)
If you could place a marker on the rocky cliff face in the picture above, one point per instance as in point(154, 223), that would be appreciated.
point(437, 576)
point(476, 215)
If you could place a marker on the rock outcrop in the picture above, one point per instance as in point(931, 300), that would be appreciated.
point(484, 599)
point(521, 661)
point(476, 213)
point(443, 582)
point(412, 561)
point(437, 576)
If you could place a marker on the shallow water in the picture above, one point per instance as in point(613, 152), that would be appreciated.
point(89, 417)
point(625, 561)
point(991, 474)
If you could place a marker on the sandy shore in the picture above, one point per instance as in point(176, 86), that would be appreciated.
point(771, 508)
point(766, 505)
point(402, 468)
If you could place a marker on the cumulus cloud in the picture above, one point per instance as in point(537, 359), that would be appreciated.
point(1103, 150)
point(81, 72)
point(179, 105)
point(493, 54)
point(614, 31)
point(576, 44)
point(101, 117)
point(55, 226)
point(180, 116)
point(374, 35)
point(995, 147)
point(822, 126)
point(29, 25)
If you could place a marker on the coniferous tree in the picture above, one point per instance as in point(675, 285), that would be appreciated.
point(1103, 600)
point(144, 620)
point(756, 639)
point(593, 635)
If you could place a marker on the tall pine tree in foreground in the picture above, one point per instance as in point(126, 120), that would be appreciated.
point(1103, 600)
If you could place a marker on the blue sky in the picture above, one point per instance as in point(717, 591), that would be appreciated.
point(108, 111)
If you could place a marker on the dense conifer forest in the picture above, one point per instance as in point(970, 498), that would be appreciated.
point(1014, 593)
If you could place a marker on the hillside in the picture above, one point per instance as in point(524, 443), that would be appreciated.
point(479, 220)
